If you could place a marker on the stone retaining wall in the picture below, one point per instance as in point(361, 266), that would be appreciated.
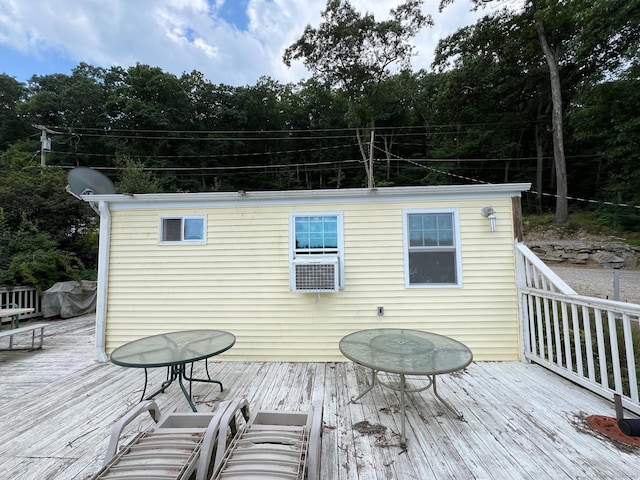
point(610, 255)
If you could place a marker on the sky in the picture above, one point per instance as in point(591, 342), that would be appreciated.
point(232, 42)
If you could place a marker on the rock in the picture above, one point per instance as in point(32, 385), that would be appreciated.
point(582, 252)
point(576, 257)
point(629, 260)
point(608, 259)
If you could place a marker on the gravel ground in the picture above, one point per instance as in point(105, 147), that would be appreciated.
point(598, 282)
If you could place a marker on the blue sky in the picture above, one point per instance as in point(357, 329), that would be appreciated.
point(234, 42)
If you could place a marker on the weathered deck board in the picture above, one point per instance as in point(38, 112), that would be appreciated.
point(57, 406)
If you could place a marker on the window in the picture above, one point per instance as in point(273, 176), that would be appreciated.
point(316, 234)
point(432, 248)
point(182, 230)
point(317, 238)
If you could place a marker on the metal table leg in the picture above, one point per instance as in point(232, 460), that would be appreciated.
point(171, 376)
point(443, 401)
point(178, 372)
point(403, 413)
point(403, 390)
point(374, 380)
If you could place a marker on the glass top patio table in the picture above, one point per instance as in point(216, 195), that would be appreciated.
point(174, 350)
point(404, 352)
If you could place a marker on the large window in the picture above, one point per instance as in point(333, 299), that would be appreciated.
point(182, 229)
point(432, 248)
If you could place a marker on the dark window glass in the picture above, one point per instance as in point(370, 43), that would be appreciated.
point(432, 255)
point(171, 229)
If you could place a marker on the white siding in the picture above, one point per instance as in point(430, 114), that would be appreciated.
point(239, 281)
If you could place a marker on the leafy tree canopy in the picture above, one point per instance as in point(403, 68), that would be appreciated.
point(352, 50)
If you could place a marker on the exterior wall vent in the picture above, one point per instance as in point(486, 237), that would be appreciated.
point(315, 274)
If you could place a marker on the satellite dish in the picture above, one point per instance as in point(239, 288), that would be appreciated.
point(84, 181)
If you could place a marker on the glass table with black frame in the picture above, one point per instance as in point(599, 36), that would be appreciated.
point(174, 350)
point(405, 352)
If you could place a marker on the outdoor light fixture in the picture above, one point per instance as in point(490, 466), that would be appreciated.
point(490, 213)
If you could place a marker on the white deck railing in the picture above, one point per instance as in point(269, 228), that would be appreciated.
point(591, 341)
point(23, 297)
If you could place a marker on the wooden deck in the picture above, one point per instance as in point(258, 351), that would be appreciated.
point(57, 406)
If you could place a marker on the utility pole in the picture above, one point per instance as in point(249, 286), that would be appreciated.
point(370, 179)
point(45, 143)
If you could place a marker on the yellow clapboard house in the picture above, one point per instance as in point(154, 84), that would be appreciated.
point(292, 272)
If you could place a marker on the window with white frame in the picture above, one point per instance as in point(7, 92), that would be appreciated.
point(432, 248)
point(315, 234)
point(316, 237)
point(189, 229)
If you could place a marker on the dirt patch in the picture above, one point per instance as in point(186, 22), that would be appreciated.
point(365, 428)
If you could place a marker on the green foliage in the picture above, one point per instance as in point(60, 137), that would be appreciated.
point(46, 235)
point(12, 126)
point(30, 257)
point(601, 222)
point(354, 50)
point(133, 178)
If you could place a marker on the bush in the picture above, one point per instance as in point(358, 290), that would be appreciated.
point(30, 257)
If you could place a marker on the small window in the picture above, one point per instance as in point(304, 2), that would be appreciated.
point(182, 230)
point(316, 237)
point(432, 250)
point(316, 234)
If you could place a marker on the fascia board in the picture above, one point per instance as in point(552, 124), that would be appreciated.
point(328, 196)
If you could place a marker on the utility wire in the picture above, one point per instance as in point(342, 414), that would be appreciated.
point(291, 136)
point(305, 130)
point(475, 180)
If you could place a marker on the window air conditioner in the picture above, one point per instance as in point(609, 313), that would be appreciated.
point(315, 274)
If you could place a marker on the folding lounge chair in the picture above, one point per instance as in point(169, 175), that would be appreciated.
point(272, 445)
point(176, 447)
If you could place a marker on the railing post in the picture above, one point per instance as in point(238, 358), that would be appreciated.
point(616, 284)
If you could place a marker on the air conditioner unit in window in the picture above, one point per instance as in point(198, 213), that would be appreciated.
point(315, 274)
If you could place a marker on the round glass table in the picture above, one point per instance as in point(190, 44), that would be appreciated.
point(174, 350)
point(406, 352)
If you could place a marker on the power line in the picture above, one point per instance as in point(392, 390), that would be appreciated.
point(475, 180)
point(292, 133)
point(109, 129)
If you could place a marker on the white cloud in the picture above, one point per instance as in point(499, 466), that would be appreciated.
point(185, 35)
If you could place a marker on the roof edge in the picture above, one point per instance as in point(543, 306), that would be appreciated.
point(488, 189)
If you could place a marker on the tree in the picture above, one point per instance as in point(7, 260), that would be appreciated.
point(46, 235)
point(356, 53)
point(491, 93)
point(133, 178)
point(606, 125)
point(12, 126)
point(31, 257)
point(583, 38)
point(67, 104)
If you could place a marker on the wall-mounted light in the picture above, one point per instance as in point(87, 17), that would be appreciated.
point(489, 212)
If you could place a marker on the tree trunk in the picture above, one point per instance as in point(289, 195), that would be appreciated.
point(363, 152)
point(388, 145)
point(562, 206)
point(540, 160)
